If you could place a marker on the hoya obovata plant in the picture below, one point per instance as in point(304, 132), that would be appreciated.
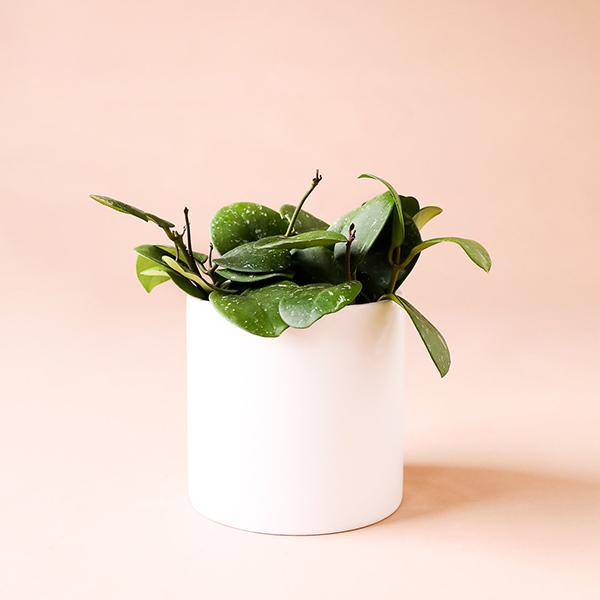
point(289, 268)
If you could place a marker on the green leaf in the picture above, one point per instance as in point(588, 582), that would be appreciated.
point(398, 227)
point(184, 272)
point(244, 222)
point(256, 310)
point(160, 222)
point(425, 215)
point(201, 258)
point(432, 338)
point(184, 284)
point(155, 255)
point(304, 221)
point(410, 205)
point(149, 273)
point(369, 220)
point(310, 239)
point(474, 250)
point(131, 210)
point(342, 225)
point(375, 270)
point(250, 259)
point(250, 277)
point(307, 304)
point(317, 265)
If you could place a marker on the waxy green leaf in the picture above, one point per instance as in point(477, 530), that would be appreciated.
point(369, 220)
point(239, 277)
point(432, 338)
point(201, 258)
point(256, 310)
point(310, 239)
point(317, 265)
point(342, 225)
point(474, 250)
point(184, 284)
point(375, 270)
point(131, 210)
point(304, 221)
point(149, 273)
point(410, 205)
point(398, 224)
point(244, 222)
point(425, 215)
point(155, 255)
point(185, 272)
point(250, 259)
point(305, 305)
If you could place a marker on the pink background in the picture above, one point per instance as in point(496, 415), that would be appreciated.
point(489, 109)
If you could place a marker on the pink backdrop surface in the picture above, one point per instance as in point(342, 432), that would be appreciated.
point(489, 109)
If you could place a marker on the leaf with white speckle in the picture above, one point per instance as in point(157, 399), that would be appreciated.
point(243, 222)
point(307, 304)
point(369, 220)
point(248, 258)
point(257, 310)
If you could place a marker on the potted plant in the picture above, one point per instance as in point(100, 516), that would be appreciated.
point(294, 420)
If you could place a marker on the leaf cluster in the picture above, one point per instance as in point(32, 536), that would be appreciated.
point(273, 270)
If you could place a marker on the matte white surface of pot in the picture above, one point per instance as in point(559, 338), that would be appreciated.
point(300, 434)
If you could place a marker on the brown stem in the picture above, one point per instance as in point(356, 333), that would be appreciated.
point(351, 238)
point(190, 251)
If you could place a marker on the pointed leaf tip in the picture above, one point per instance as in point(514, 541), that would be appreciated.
point(434, 341)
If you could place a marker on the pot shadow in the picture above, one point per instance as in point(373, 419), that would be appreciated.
point(432, 489)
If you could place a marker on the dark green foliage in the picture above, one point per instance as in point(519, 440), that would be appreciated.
point(290, 268)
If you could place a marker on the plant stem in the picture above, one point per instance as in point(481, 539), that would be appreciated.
point(395, 270)
point(190, 252)
point(315, 182)
point(351, 238)
point(180, 248)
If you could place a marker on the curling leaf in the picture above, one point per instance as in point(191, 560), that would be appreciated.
point(474, 250)
point(432, 338)
point(398, 226)
point(425, 215)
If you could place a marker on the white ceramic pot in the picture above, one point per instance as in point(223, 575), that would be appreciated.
point(300, 434)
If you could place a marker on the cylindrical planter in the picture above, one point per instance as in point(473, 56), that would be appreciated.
point(300, 434)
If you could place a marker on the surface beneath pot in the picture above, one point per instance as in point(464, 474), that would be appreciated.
point(502, 484)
